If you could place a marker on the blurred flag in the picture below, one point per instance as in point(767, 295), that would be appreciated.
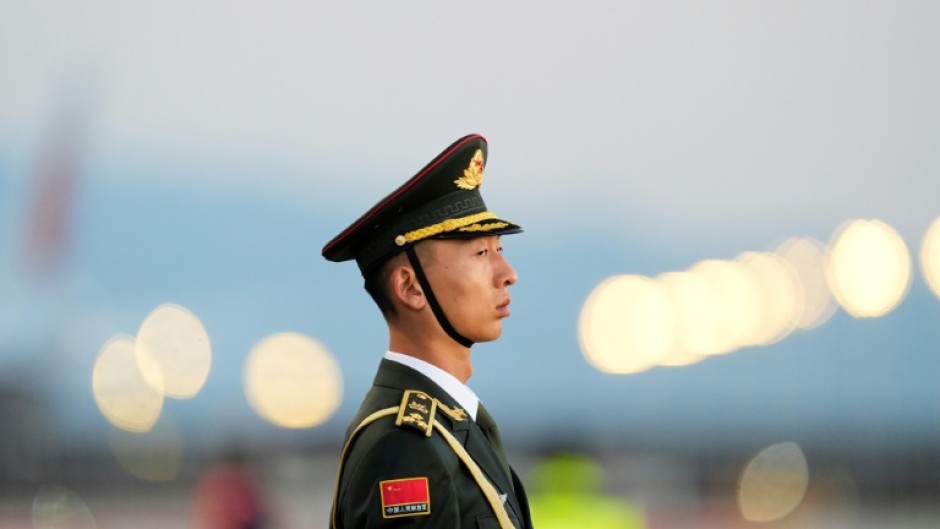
point(51, 202)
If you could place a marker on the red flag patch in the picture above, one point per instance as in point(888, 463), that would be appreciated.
point(405, 497)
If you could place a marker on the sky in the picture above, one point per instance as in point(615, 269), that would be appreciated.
point(626, 137)
point(733, 112)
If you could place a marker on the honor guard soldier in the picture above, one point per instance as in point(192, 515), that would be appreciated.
point(423, 451)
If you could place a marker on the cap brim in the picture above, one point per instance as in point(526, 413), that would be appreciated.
point(482, 229)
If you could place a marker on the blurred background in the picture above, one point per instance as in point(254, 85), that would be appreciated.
point(728, 312)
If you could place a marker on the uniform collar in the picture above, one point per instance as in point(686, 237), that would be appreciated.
point(457, 390)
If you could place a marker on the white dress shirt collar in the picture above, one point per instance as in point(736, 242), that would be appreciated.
point(459, 391)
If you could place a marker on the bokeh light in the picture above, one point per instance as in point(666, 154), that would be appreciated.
point(869, 269)
point(779, 293)
point(125, 397)
point(736, 306)
point(156, 455)
point(809, 259)
point(695, 329)
point(626, 325)
point(930, 257)
point(179, 344)
point(630, 323)
point(773, 483)
point(56, 507)
point(293, 381)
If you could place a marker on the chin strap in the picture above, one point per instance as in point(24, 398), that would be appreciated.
point(432, 299)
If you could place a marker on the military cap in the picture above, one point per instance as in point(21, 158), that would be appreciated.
point(441, 201)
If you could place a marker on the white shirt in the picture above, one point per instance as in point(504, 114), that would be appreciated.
point(459, 391)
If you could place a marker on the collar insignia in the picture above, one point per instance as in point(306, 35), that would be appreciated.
point(473, 174)
point(457, 414)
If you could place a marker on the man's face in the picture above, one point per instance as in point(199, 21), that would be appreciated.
point(471, 280)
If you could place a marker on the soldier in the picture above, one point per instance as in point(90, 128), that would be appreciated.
point(423, 451)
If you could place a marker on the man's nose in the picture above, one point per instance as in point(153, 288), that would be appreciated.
point(508, 274)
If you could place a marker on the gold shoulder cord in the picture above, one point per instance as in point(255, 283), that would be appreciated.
point(492, 496)
point(488, 489)
point(342, 457)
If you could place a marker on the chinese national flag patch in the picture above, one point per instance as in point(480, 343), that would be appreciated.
point(405, 497)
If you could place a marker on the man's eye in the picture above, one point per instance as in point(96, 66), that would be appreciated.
point(500, 249)
point(483, 252)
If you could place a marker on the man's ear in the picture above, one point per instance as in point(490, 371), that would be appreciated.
point(404, 287)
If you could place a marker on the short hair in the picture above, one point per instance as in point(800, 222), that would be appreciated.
point(376, 280)
point(377, 286)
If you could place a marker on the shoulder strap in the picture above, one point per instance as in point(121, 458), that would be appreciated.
point(403, 414)
point(342, 457)
point(488, 489)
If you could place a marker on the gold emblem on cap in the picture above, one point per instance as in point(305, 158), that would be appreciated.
point(473, 174)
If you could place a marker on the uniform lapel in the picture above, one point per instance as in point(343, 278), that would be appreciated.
point(486, 423)
point(524, 514)
point(482, 451)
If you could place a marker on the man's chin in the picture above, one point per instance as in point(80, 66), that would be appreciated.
point(489, 336)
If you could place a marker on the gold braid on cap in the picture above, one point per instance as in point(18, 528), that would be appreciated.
point(484, 227)
point(443, 227)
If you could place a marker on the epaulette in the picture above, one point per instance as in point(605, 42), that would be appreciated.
point(417, 410)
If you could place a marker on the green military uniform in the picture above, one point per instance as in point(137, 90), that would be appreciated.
point(412, 458)
point(384, 453)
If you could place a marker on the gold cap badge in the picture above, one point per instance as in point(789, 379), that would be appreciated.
point(473, 174)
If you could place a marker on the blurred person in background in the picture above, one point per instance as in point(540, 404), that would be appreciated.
point(567, 493)
point(228, 496)
point(423, 451)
